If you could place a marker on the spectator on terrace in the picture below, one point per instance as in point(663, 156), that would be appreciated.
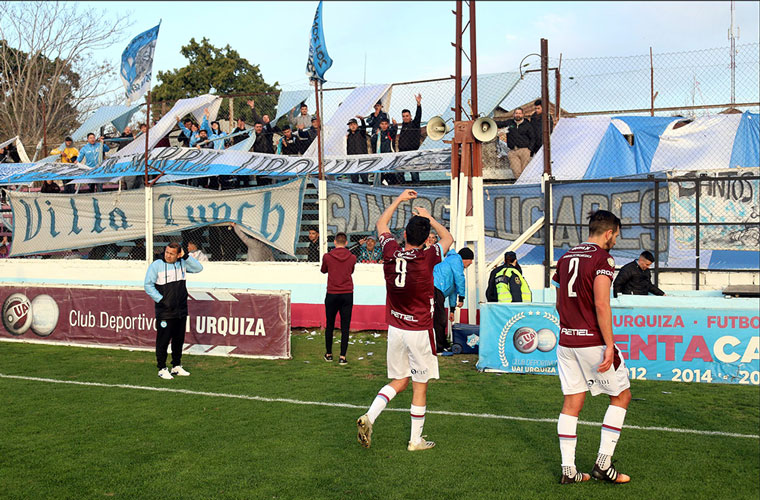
point(356, 144)
point(9, 154)
point(261, 144)
point(213, 131)
point(313, 251)
point(69, 153)
point(267, 130)
point(240, 128)
point(367, 251)
point(164, 141)
point(302, 120)
point(258, 251)
point(536, 121)
point(127, 137)
point(196, 252)
point(431, 240)
point(520, 141)
point(92, 155)
point(202, 138)
point(288, 144)
point(307, 136)
point(50, 187)
point(374, 120)
point(410, 135)
point(190, 133)
point(382, 142)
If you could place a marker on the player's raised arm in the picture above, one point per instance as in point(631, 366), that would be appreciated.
point(385, 218)
point(604, 317)
point(446, 240)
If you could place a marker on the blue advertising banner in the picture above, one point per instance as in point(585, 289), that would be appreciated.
point(677, 343)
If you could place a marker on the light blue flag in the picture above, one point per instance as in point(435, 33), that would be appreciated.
point(137, 64)
point(319, 61)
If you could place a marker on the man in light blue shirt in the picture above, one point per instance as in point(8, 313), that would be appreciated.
point(92, 155)
point(448, 279)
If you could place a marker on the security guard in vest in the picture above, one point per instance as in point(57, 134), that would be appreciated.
point(509, 281)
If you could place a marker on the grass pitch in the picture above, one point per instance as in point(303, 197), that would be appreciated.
point(75, 441)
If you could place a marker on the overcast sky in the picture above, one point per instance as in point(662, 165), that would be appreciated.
point(405, 41)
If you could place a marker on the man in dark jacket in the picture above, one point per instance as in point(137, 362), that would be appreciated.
point(312, 253)
point(165, 284)
point(356, 144)
point(410, 135)
point(373, 120)
point(240, 128)
point(520, 141)
point(339, 265)
point(382, 142)
point(634, 278)
point(536, 121)
point(263, 142)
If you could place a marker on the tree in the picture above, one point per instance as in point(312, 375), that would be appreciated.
point(223, 70)
point(47, 62)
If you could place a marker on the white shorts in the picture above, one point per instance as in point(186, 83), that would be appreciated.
point(577, 367)
point(410, 354)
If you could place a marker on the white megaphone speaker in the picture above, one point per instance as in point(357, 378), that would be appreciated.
point(437, 128)
point(484, 129)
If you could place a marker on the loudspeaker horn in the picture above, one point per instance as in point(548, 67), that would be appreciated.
point(437, 128)
point(484, 129)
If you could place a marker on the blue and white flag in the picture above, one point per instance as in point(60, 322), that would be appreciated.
point(319, 61)
point(137, 64)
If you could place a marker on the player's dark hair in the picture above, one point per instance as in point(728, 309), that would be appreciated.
point(466, 254)
point(647, 255)
point(417, 230)
point(602, 221)
point(341, 238)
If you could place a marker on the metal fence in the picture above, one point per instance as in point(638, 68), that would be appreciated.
point(693, 223)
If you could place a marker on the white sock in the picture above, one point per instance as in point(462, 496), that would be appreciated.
point(418, 421)
point(378, 405)
point(613, 423)
point(566, 430)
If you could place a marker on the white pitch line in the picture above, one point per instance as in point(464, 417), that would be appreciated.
point(362, 407)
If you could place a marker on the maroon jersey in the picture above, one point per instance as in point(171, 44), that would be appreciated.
point(409, 284)
point(576, 271)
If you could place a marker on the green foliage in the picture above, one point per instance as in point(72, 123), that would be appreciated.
point(69, 441)
point(222, 69)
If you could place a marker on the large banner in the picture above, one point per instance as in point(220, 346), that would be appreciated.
point(220, 322)
point(193, 162)
point(732, 205)
point(658, 343)
point(52, 222)
point(509, 210)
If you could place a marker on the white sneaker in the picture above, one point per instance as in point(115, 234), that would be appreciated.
point(420, 445)
point(178, 370)
point(164, 374)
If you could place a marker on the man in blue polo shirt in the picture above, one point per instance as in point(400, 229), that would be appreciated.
point(448, 279)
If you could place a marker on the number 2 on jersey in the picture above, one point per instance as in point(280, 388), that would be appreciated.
point(401, 270)
point(572, 269)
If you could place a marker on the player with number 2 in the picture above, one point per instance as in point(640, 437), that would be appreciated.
point(409, 313)
point(587, 359)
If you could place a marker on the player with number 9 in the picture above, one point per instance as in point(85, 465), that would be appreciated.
point(409, 312)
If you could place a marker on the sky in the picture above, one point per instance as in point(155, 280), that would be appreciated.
point(404, 41)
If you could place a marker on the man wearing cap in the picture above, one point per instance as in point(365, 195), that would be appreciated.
point(367, 251)
point(68, 155)
point(507, 284)
point(373, 120)
point(356, 144)
point(448, 280)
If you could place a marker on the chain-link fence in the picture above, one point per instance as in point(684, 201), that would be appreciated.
point(690, 222)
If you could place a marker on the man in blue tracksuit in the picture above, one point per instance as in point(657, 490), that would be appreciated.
point(165, 283)
point(448, 279)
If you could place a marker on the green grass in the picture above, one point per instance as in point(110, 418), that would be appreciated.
point(66, 441)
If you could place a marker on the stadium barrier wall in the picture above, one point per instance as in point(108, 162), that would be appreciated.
point(221, 322)
point(700, 337)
